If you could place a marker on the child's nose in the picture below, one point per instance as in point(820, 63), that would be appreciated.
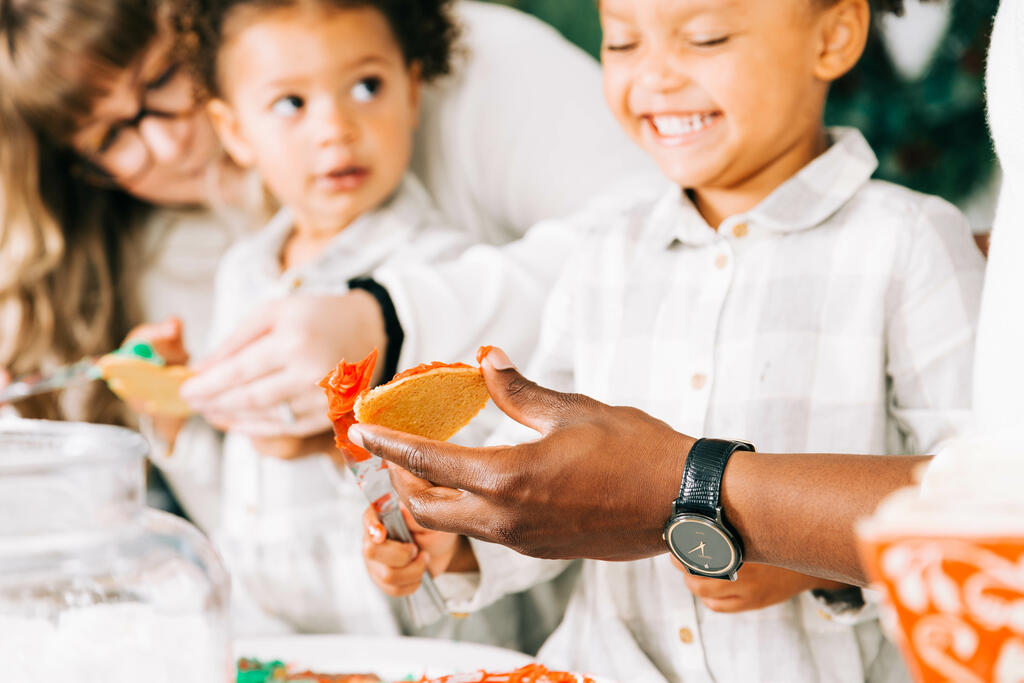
point(659, 71)
point(336, 125)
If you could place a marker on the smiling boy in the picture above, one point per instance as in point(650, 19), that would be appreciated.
point(771, 290)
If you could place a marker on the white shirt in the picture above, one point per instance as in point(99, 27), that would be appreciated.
point(291, 530)
point(837, 315)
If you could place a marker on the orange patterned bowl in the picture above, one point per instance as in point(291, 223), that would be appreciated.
point(953, 583)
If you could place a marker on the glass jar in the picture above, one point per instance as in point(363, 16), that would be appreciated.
point(94, 586)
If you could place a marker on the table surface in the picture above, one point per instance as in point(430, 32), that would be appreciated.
point(389, 658)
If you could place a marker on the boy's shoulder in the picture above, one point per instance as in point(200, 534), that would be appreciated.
point(623, 211)
point(883, 205)
point(882, 195)
point(907, 229)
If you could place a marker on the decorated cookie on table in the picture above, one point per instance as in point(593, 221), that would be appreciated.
point(256, 671)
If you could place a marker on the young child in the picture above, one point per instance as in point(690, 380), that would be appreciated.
point(772, 291)
point(320, 97)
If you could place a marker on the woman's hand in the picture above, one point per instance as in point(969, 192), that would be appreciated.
point(165, 337)
point(756, 586)
point(262, 381)
point(397, 568)
point(599, 482)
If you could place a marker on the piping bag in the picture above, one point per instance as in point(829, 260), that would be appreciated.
point(343, 386)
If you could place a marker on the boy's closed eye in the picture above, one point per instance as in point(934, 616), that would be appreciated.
point(621, 46)
point(697, 42)
point(710, 41)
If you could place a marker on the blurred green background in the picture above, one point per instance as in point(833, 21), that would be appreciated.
point(928, 130)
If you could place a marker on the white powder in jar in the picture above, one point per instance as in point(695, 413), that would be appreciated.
point(114, 643)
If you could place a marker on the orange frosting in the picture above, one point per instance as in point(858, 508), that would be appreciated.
point(345, 383)
point(481, 353)
point(343, 386)
point(531, 673)
point(426, 367)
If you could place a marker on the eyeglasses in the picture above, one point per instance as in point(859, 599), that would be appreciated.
point(123, 154)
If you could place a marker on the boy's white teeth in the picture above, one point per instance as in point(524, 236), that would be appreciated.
point(673, 126)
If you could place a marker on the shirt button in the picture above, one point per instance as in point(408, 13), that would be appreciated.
point(739, 230)
point(296, 283)
point(721, 261)
point(698, 380)
point(686, 635)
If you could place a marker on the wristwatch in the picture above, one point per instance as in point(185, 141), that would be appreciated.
point(696, 533)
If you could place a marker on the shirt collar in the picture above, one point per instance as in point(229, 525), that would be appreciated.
point(804, 201)
point(368, 239)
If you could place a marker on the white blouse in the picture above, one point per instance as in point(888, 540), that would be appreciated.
point(999, 373)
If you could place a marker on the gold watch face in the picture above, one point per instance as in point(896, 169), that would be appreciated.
point(702, 546)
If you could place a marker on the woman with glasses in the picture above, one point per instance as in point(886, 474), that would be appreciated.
point(116, 203)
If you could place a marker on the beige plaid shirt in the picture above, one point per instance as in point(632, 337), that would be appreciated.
point(837, 315)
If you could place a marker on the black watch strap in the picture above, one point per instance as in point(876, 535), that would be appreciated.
point(702, 475)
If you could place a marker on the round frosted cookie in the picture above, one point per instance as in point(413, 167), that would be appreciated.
point(156, 388)
point(434, 400)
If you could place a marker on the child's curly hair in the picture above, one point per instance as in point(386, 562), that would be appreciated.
point(424, 29)
point(893, 6)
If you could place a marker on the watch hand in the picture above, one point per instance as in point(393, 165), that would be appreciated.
point(700, 548)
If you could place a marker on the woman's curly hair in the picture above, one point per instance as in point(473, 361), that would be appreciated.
point(424, 29)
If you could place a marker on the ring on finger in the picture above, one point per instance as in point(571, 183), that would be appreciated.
point(285, 412)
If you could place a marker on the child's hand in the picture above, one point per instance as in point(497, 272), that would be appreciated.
point(397, 568)
point(291, 447)
point(166, 339)
point(756, 586)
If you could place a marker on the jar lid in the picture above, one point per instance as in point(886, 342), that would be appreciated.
point(39, 445)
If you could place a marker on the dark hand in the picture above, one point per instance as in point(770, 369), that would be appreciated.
point(599, 483)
